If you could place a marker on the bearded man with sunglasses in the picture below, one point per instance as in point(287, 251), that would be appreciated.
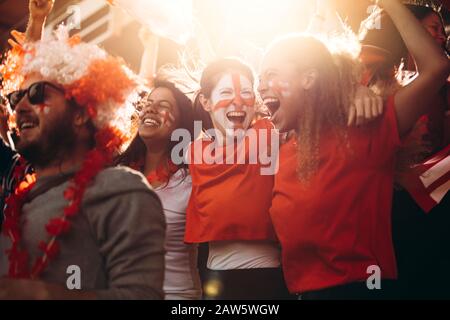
point(79, 228)
point(44, 136)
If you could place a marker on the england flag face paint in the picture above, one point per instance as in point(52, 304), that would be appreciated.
point(158, 113)
point(43, 108)
point(282, 88)
point(233, 102)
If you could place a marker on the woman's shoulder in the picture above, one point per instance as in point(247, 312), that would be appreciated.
point(263, 123)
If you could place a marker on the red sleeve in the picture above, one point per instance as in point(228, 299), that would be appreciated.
point(388, 128)
point(378, 140)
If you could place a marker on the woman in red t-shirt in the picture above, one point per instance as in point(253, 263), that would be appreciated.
point(230, 200)
point(229, 206)
point(332, 195)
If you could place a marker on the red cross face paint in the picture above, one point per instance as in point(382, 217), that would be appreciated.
point(281, 88)
point(161, 113)
point(42, 108)
point(167, 118)
point(233, 101)
point(158, 114)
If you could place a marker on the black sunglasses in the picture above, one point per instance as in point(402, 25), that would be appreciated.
point(35, 94)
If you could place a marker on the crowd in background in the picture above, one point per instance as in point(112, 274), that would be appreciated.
point(362, 141)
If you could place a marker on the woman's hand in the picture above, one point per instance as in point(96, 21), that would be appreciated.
point(40, 9)
point(366, 107)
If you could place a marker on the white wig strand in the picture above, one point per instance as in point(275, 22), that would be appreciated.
point(59, 60)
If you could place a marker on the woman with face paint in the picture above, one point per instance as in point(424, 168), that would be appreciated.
point(331, 205)
point(229, 205)
point(163, 111)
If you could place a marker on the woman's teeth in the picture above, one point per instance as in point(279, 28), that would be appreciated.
point(236, 116)
point(270, 101)
point(151, 122)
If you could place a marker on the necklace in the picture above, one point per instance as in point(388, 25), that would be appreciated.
point(163, 172)
point(108, 141)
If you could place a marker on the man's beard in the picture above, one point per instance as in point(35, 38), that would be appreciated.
point(53, 145)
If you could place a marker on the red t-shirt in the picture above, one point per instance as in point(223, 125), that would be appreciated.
point(338, 225)
point(229, 201)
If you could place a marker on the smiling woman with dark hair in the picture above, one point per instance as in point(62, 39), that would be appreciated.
point(173, 110)
point(164, 110)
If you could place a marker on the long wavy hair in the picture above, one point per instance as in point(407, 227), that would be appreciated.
point(325, 107)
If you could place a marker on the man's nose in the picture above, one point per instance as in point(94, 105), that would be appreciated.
point(24, 106)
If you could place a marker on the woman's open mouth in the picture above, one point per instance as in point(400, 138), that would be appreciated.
point(273, 104)
point(151, 122)
point(237, 117)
